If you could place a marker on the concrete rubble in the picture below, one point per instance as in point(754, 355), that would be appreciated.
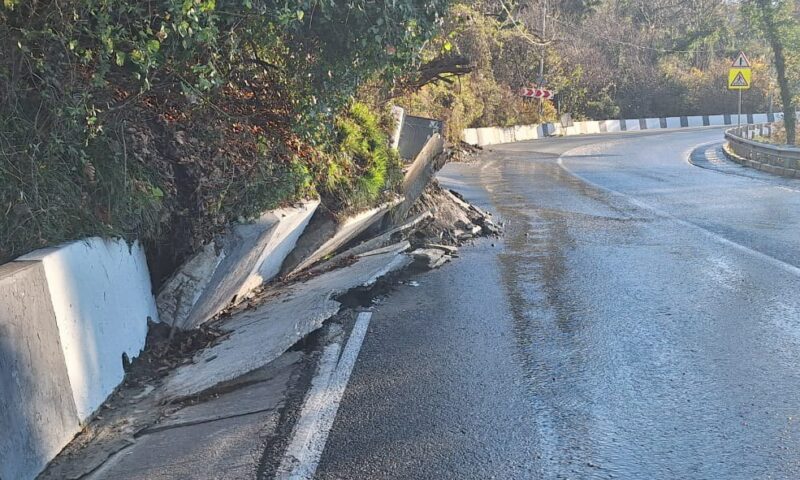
point(431, 257)
point(139, 421)
point(262, 334)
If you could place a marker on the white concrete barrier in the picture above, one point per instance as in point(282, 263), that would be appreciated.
point(37, 410)
point(612, 126)
point(487, 136)
point(632, 124)
point(470, 136)
point(494, 135)
point(102, 299)
point(695, 121)
point(525, 132)
point(760, 118)
point(508, 135)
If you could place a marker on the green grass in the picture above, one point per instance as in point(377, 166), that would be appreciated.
point(52, 192)
point(363, 168)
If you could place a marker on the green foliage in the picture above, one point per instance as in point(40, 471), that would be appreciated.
point(778, 23)
point(167, 119)
point(362, 167)
point(504, 62)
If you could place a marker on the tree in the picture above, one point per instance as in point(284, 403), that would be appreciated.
point(774, 19)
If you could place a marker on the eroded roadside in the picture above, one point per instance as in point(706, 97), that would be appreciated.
point(212, 402)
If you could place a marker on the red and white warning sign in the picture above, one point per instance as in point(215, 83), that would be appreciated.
point(537, 93)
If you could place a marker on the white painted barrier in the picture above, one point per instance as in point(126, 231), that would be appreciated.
point(695, 121)
point(717, 120)
point(37, 411)
point(102, 299)
point(494, 135)
point(470, 136)
point(632, 125)
point(612, 126)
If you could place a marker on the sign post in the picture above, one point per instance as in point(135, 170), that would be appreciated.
point(740, 77)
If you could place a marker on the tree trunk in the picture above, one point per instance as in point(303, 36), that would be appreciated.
point(789, 120)
point(769, 13)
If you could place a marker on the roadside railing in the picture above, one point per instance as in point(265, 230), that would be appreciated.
point(742, 148)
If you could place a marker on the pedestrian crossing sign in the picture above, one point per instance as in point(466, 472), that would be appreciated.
point(740, 78)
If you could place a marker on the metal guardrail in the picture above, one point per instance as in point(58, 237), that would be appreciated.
point(777, 159)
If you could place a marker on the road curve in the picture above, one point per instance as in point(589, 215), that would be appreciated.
point(640, 319)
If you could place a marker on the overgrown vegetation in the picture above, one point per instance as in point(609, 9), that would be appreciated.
point(607, 59)
point(165, 120)
point(504, 60)
point(778, 24)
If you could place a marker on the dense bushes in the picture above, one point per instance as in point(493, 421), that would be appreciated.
point(168, 119)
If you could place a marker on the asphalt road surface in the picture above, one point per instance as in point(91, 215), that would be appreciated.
point(640, 319)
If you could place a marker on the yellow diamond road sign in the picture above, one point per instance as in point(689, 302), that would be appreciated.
point(740, 78)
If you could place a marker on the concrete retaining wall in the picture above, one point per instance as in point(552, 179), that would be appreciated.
point(776, 159)
point(493, 135)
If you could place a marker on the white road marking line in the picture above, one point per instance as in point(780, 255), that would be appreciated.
point(322, 402)
point(787, 267)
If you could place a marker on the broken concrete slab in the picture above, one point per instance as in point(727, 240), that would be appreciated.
point(460, 201)
point(286, 315)
point(222, 437)
point(226, 272)
point(385, 239)
point(180, 293)
point(418, 175)
point(257, 391)
point(398, 247)
point(449, 249)
point(37, 412)
point(228, 448)
point(325, 235)
point(430, 257)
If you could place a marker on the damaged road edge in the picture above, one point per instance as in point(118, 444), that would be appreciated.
point(260, 330)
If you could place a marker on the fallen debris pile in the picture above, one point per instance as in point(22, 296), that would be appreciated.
point(180, 368)
point(454, 220)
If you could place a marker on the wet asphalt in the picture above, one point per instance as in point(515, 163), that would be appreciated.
point(640, 319)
